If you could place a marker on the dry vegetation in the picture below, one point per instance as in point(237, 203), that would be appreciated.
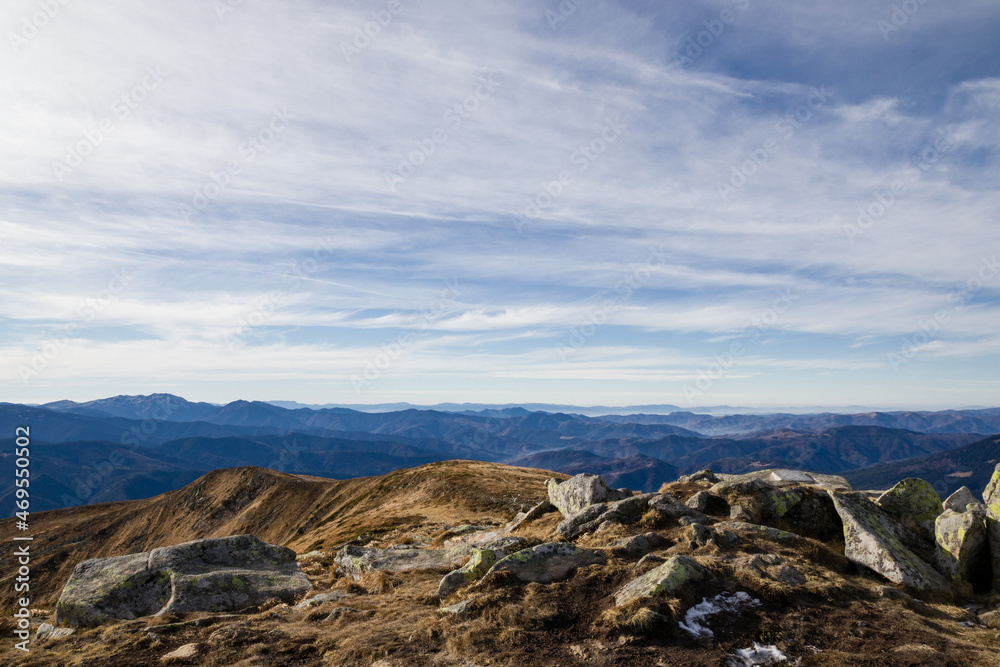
point(841, 616)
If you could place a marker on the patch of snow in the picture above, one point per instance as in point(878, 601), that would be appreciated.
point(757, 655)
point(697, 615)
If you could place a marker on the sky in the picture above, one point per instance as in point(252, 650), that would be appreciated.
point(725, 202)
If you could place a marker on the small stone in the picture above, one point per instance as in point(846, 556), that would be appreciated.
point(457, 609)
point(182, 654)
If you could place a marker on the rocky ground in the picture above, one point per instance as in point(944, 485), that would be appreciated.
point(478, 564)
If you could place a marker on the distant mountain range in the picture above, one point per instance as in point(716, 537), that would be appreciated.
point(129, 447)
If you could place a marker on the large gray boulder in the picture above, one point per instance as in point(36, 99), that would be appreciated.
point(354, 562)
point(547, 562)
point(219, 574)
point(573, 495)
point(914, 503)
point(962, 544)
point(874, 540)
point(665, 579)
point(991, 496)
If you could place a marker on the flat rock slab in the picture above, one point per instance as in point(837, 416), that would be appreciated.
point(547, 562)
point(791, 476)
point(219, 574)
point(354, 561)
point(874, 540)
point(818, 479)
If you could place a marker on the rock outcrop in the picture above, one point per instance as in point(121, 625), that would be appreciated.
point(547, 562)
point(481, 560)
point(874, 540)
point(220, 574)
point(592, 517)
point(573, 495)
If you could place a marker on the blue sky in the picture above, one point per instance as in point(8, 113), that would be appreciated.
point(700, 203)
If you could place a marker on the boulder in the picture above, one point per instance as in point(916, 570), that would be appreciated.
point(915, 504)
point(219, 574)
point(775, 534)
point(875, 541)
point(991, 496)
point(353, 561)
point(639, 545)
point(665, 579)
point(547, 562)
point(573, 495)
point(961, 499)
point(962, 544)
point(589, 519)
point(667, 504)
point(698, 501)
point(477, 567)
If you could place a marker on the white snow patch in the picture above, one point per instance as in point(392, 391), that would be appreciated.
point(757, 655)
point(697, 615)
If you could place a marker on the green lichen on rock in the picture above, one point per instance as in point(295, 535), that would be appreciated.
point(874, 540)
point(547, 562)
point(665, 579)
point(915, 500)
point(228, 573)
point(962, 544)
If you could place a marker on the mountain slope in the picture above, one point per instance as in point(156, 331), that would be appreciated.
point(969, 466)
point(301, 512)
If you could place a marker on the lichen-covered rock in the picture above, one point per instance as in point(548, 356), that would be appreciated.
point(353, 561)
point(991, 496)
point(961, 499)
point(547, 562)
point(576, 493)
point(962, 544)
point(627, 510)
point(665, 579)
point(220, 574)
point(913, 502)
point(479, 564)
point(874, 540)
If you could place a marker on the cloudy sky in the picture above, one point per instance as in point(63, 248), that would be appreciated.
point(742, 202)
